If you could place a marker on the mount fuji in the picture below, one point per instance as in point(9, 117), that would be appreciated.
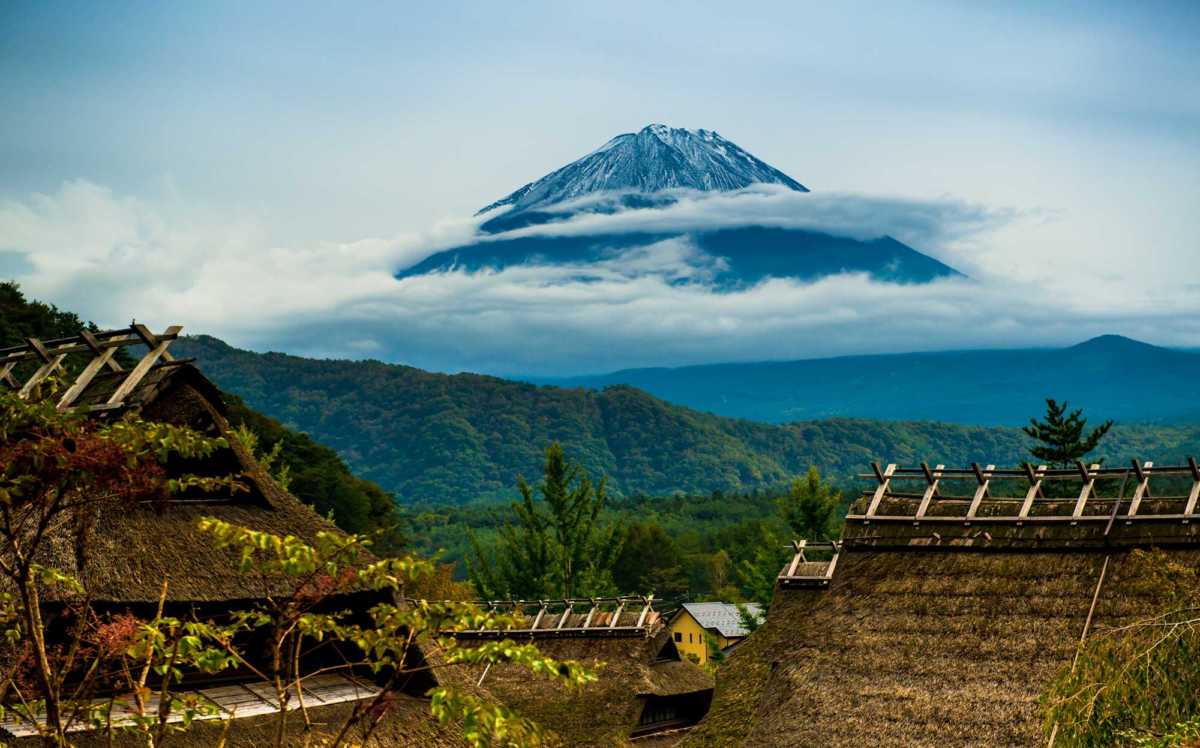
point(613, 211)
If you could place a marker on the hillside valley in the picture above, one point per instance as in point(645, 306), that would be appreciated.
point(454, 439)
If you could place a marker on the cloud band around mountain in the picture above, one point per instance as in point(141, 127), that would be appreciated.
point(111, 257)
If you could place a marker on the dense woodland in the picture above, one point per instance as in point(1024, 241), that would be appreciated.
point(437, 439)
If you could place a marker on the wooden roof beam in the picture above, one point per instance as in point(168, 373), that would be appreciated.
point(143, 367)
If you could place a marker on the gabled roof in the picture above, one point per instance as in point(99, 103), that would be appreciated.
point(722, 617)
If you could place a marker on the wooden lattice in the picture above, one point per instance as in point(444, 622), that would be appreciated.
point(1087, 502)
point(802, 571)
point(552, 618)
point(99, 349)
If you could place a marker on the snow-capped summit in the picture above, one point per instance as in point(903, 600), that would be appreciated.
point(610, 213)
point(655, 158)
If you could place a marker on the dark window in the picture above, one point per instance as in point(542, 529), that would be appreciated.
point(689, 638)
point(678, 636)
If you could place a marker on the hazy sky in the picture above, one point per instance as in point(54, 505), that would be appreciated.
point(306, 147)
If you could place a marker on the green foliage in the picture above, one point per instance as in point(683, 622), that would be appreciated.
point(435, 439)
point(812, 508)
point(316, 475)
point(649, 561)
point(558, 546)
point(1061, 439)
point(334, 564)
point(1137, 684)
point(57, 470)
point(758, 573)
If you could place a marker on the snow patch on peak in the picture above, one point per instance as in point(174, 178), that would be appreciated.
point(656, 158)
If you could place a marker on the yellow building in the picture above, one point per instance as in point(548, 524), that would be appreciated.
point(695, 622)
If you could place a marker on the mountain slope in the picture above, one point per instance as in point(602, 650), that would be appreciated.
point(436, 438)
point(736, 257)
point(654, 159)
point(1112, 376)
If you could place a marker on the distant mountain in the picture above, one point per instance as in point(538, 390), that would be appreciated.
point(653, 169)
point(436, 438)
point(1111, 376)
point(654, 159)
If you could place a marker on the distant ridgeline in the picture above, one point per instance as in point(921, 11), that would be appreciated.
point(436, 438)
point(1110, 376)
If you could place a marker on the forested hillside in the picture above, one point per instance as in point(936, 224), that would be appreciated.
point(450, 439)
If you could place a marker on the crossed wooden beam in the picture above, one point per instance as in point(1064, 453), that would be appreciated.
point(101, 347)
point(788, 576)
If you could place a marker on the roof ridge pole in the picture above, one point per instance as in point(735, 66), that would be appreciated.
point(984, 477)
point(143, 366)
point(1035, 489)
point(1089, 483)
point(568, 606)
point(1143, 487)
point(1190, 508)
point(932, 478)
point(588, 621)
point(885, 479)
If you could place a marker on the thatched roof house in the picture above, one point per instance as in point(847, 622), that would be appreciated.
point(940, 619)
point(122, 555)
point(644, 691)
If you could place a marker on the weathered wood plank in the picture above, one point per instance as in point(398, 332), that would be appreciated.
point(984, 478)
point(932, 478)
point(885, 480)
point(143, 367)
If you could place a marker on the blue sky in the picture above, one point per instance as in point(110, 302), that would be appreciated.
point(293, 131)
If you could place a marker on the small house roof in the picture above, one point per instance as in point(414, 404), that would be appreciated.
point(724, 618)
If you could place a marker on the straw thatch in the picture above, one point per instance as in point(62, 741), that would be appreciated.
point(948, 648)
point(631, 670)
point(127, 552)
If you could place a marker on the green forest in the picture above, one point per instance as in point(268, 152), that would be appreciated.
point(438, 439)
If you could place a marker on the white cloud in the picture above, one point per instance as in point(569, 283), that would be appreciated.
point(112, 257)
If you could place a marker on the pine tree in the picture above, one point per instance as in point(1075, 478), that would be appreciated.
point(558, 547)
point(1061, 436)
point(811, 507)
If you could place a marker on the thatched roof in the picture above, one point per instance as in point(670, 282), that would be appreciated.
point(605, 712)
point(935, 633)
point(130, 551)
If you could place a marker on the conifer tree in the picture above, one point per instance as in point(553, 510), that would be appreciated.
point(558, 547)
point(1061, 436)
point(811, 507)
